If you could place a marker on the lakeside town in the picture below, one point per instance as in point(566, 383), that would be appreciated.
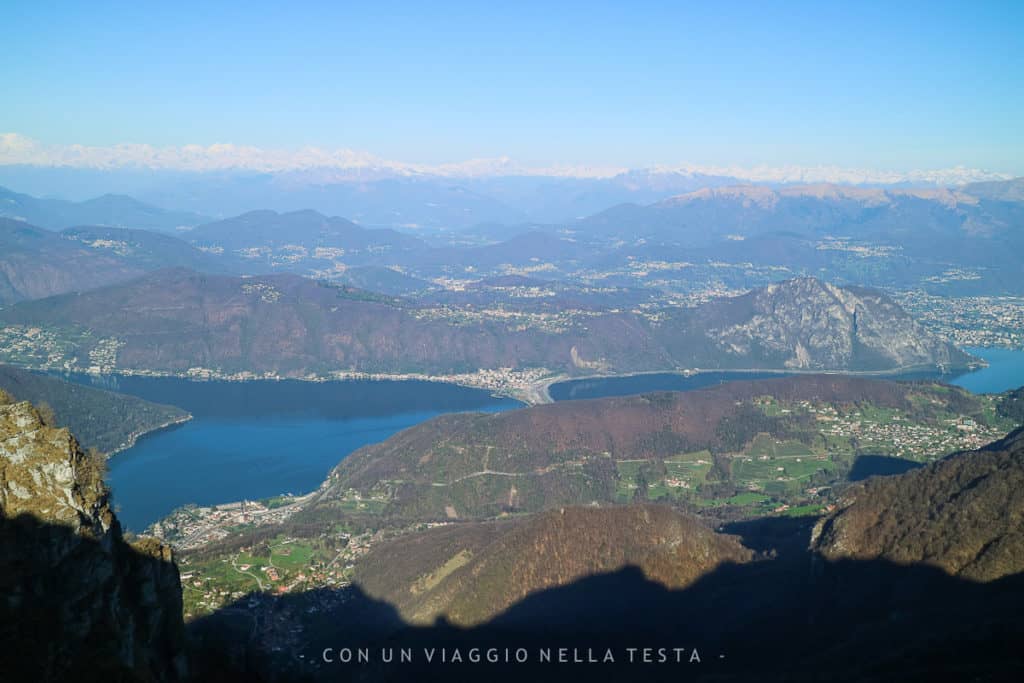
point(978, 321)
point(778, 476)
point(46, 350)
point(192, 526)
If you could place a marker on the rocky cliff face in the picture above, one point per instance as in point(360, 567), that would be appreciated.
point(963, 514)
point(76, 599)
point(808, 324)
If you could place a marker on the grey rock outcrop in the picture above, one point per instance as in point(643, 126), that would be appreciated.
point(77, 601)
point(807, 324)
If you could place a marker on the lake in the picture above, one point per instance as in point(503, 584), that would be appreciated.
point(1005, 371)
point(252, 440)
point(599, 387)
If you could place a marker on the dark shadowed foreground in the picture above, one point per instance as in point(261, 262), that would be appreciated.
point(914, 577)
point(791, 618)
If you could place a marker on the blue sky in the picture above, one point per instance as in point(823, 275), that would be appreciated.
point(894, 85)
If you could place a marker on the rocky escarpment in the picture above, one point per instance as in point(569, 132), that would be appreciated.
point(76, 599)
point(963, 514)
point(469, 573)
point(809, 324)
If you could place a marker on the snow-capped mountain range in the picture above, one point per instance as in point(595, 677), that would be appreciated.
point(327, 166)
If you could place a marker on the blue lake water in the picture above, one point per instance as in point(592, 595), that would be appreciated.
point(1005, 371)
point(252, 440)
point(640, 384)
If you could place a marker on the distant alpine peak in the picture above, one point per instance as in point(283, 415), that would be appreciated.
point(838, 175)
point(767, 197)
point(320, 165)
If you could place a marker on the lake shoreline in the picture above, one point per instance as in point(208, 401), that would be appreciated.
point(246, 440)
point(543, 389)
point(134, 437)
point(253, 440)
point(532, 387)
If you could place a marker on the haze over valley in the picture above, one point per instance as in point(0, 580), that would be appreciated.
point(576, 341)
point(298, 383)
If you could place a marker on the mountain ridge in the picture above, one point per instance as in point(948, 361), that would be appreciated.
point(485, 568)
point(108, 210)
point(973, 498)
point(36, 263)
point(474, 465)
point(308, 228)
point(175, 320)
point(100, 419)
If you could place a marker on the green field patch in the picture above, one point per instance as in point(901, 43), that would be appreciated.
point(690, 457)
point(634, 473)
point(369, 505)
point(838, 444)
point(291, 556)
point(223, 576)
point(750, 498)
point(777, 467)
point(430, 581)
point(246, 558)
point(756, 470)
point(626, 486)
point(878, 414)
point(277, 501)
point(692, 473)
point(686, 472)
point(772, 407)
point(659, 491)
point(746, 499)
point(762, 444)
point(777, 488)
point(792, 448)
point(804, 510)
point(765, 445)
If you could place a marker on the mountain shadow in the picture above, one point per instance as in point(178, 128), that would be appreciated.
point(790, 616)
point(80, 608)
point(879, 466)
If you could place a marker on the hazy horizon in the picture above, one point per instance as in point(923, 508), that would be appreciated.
point(19, 150)
point(579, 89)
